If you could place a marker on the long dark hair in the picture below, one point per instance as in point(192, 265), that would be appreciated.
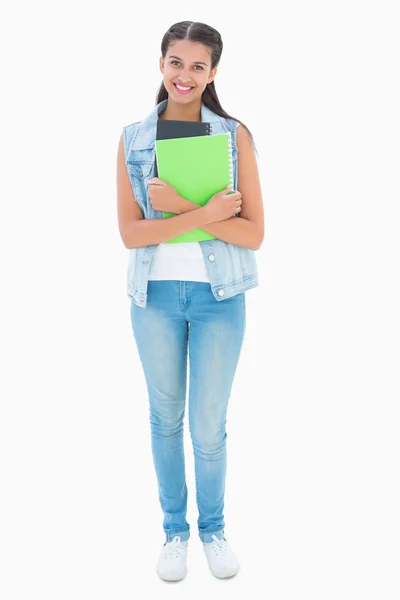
point(210, 37)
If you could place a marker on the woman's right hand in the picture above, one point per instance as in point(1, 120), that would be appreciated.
point(223, 205)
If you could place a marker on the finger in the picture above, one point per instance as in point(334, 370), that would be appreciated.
point(156, 181)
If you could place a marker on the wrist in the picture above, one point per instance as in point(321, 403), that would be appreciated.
point(179, 206)
point(206, 213)
point(184, 205)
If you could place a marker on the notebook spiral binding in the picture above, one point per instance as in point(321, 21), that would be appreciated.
point(231, 181)
point(209, 132)
point(230, 160)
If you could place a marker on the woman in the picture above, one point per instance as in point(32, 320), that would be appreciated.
point(188, 299)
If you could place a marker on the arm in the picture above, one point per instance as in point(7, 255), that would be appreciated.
point(136, 231)
point(235, 230)
point(248, 229)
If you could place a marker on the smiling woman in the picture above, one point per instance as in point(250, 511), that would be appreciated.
point(188, 299)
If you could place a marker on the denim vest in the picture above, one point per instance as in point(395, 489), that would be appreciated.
point(232, 269)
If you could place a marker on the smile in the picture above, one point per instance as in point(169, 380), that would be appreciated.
point(182, 89)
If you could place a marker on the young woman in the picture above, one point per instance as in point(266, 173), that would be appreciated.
point(188, 299)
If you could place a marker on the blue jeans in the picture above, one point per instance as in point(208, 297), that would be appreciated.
point(183, 317)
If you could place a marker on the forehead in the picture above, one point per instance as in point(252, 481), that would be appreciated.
point(189, 51)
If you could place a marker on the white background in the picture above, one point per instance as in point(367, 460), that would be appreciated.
point(313, 430)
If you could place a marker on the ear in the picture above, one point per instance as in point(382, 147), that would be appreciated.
point(162, 65)
point(212, 75)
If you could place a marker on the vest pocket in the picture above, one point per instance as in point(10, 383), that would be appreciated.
point(139, 174)
point(139, 170)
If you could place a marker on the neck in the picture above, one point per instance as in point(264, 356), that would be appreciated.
point(181, 112)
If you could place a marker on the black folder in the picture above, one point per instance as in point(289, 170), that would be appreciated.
point(168, 129)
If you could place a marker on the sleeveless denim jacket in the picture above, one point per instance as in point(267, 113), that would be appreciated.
point(232, 269)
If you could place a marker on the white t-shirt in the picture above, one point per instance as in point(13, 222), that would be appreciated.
point(183, 261)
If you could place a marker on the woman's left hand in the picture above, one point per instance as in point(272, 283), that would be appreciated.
point(163, 196)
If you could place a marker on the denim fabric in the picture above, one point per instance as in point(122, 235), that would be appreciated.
point(232, 269)
point(183, 320)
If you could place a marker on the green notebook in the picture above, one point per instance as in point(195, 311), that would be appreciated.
point(198, 167)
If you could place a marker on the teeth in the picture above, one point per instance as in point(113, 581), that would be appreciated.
point(184, 89)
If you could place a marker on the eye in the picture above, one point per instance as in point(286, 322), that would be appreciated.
point(173, 62)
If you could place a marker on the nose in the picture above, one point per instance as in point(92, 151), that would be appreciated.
point(184, 76)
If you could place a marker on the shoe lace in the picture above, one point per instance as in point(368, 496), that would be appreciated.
point(174, 548)
point(218, 546)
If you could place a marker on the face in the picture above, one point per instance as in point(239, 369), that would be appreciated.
point(187, 65)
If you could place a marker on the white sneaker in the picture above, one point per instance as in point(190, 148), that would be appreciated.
point(172, 561)
point(221, 558)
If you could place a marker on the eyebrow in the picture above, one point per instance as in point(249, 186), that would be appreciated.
point(197, 62)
